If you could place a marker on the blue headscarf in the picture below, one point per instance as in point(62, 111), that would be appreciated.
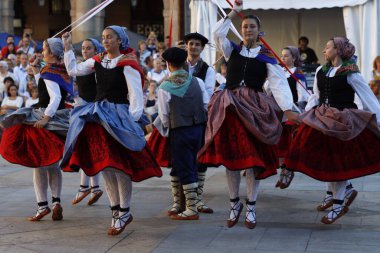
point(56, 47)
point(98, 47)
point(120, 31)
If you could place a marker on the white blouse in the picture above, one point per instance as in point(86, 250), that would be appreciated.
point(16, 102)
point(132, 77)
point(209, 80)
point(278, 83)
point(360, 86)
point(54, 94)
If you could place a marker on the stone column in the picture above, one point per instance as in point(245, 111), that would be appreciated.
point(6, 16)
point(92, 27)
point(176, 19)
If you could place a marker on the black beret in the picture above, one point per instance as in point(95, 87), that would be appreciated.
point(196, 36)
point(175, 55)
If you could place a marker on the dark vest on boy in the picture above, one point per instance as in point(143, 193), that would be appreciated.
point(250, 70)
point(188, 110)
point(44, 98)
point(335, 91)
point(111, 84)
point(87, 87)
point(200, 71)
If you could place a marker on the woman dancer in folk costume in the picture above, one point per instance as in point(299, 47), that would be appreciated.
point(335, 140)
point(104, 135)
point(34, 137)
point(290, 56)
point(244, 122)
point(86, 94)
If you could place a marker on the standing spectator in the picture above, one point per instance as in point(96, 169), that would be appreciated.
point(26, 46)
point(157, 74)
point(375, 87)
point(152, 43)
point(142, 52)
point(376, 69)
point(308, 55)
point(20, 73)
point(33, 99)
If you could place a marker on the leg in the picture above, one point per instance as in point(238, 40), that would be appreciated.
point(176, 208)
point(233, 181)
point(252, 192)
point(339, 209)
point(201, 206)
point(185, 144)
point(84, 189)
point(40, 181)
point(55, 182)
point(96, 192)
point(124, 184)
point(112, 190)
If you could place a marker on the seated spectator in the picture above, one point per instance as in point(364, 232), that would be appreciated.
point(375, 87)
point(157, 74)
point(19, 71)
point(151, 107)
point(12, 102)
point(33, 99)
point(8, 49)
point(148, 63)
point(376, 69)
point(4, 73)
point(307, 54)
point(221, 76)
point(26, 91)
point(10, 40)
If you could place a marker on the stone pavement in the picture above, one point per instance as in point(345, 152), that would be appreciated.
point(287, 219)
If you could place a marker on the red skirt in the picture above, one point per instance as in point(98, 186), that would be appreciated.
point(327, 158)
point(160, 147)
point(30, 146)
point(282, 147)
point(237, 149)
point(95, 150)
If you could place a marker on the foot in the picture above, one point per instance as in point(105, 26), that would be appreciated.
point(41, 212)
point(350, 197)
point(120, 224)
point(202, 208)
point(326, 203)
point(286, 178)
point(81, 194)
point(334, 214)
point(57, 212)
point(235, 212)
point(174, 210)
point(250, 217)
point(95, 196)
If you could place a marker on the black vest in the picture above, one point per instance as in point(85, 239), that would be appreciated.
point(111, 84)
point(293, 88)
point(87, 87)
point(44, 98)
point(251, 70)
point(200, 71)
point(188, 110)
point(335, 91)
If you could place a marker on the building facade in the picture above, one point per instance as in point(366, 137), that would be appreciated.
point(47, 17)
